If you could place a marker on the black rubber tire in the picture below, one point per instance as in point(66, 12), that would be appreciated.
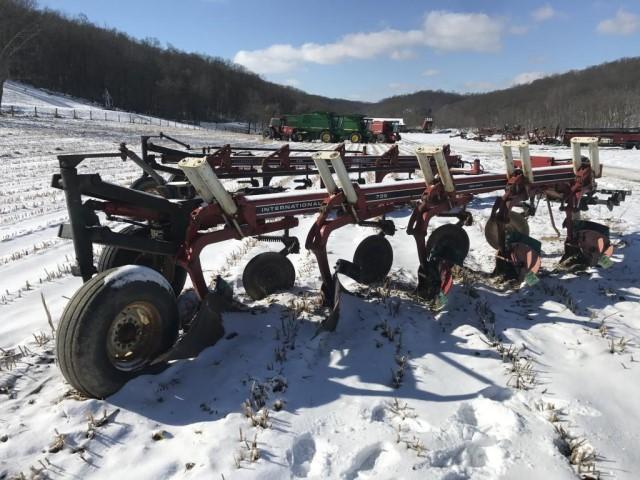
point(147, 185)
point(374, 256)
point(454, 237)
point(381, 138)
point(81, 337)
point(325, 136)
point(356, 137)
point(112, 257)
point(267, 273)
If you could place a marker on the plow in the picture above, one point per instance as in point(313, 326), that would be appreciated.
point(250, 163)
point(124, 319)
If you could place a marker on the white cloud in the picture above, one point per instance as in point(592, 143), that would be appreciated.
point(624, 23)
point(527, 77)
point(442, 31)
point(546, 12)
point(472, 32)
point(430, 72)
point(405, 54)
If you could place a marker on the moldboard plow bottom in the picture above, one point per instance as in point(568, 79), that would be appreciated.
point(125, 319)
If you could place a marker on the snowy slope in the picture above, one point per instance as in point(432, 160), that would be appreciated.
point(24, 100)
point(502, 384)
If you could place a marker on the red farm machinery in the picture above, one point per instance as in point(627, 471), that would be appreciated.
point(124, 319)
point(607, 137)
point(384, 131)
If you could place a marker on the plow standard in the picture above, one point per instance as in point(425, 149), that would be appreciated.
point(125, 319)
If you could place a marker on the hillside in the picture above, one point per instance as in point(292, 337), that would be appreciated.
point(604, 95)
point(74, 56)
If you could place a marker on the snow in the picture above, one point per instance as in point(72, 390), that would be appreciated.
point(135, 273)
point(570, 343)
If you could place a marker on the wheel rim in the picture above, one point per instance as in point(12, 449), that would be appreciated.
point(134, 335)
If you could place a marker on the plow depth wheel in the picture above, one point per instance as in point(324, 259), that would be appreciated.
point(267, 273)
point(114, 326)
point(147, 185)
point(374, 257)
point(112, 257)
point(517, 223)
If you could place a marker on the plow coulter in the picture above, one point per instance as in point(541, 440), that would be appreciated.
point(124, 319)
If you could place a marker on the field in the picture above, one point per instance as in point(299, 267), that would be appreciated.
point(538, 382)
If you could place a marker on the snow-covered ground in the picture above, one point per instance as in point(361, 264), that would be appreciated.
point(534, 383)
point(24, 100)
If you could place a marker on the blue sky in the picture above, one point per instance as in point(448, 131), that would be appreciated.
point(371, 49)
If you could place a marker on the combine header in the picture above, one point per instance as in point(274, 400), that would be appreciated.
point(125, 317)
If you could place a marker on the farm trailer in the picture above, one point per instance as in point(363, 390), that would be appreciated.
point(607, 137)
point(124, 319)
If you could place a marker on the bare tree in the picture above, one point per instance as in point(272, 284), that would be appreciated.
point(18, 26)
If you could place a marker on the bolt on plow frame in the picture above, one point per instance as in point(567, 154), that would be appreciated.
point(124, 319)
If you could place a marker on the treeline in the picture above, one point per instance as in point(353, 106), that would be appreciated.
point(606, 95)
point(73, 56)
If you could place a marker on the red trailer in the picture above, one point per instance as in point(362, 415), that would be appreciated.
point(608, 137)
point(384, 131)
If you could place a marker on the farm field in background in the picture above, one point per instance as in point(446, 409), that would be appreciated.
point(541, 382)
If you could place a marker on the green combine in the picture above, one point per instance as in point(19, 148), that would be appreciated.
point(324, 126)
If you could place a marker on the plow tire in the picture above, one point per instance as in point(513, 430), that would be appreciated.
point(96, 318)
point(147, 185)
point(374, 256)
point(452, 239)
point(112, 257)
point(267, 273)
